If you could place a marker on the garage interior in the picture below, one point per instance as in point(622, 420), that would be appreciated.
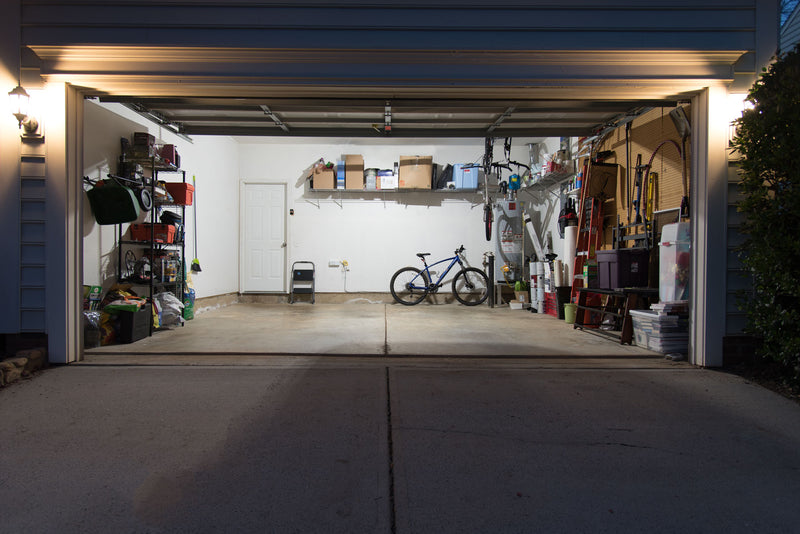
point(356, 236)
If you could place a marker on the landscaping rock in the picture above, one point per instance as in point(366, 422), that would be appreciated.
point(12, 374)
point(12, 369)
point(37, 359)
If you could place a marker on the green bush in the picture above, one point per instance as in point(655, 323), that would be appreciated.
point(768, 139)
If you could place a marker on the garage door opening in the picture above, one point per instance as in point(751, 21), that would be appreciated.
point(357, 236)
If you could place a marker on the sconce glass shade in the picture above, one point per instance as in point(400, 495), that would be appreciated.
point(19, 99)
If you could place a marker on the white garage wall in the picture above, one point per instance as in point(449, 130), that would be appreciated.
point(377, 233)
point(214, 162)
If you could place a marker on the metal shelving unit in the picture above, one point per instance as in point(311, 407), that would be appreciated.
point(153, 249)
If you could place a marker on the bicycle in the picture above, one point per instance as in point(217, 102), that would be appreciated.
point(410, 286)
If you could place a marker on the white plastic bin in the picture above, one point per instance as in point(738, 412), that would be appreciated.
point(674, 262)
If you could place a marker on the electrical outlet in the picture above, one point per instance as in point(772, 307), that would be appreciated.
point(333, 263)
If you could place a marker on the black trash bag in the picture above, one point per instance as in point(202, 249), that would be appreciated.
point(445, 176)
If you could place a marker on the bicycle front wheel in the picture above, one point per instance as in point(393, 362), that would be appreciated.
point(409, 286)
point(471, 286)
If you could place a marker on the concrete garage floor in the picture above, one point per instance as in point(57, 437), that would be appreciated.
point(377, 329)
point(568, 433)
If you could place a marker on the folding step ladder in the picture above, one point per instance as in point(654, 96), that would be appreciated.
point(302, 280)
point(589, 235)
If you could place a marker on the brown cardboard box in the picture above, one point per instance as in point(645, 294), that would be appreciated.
point(323, 179)
point(415, 172)
point(353, 171)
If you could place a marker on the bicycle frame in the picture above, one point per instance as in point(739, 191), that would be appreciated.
point(427, 270)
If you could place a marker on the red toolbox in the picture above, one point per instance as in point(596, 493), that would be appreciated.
point(162, 233)
point(183, 193)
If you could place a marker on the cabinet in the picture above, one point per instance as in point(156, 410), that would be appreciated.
point(152, 254)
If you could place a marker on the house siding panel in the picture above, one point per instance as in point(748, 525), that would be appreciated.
point(707, 25)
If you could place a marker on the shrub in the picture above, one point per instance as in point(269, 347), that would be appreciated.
point(768, 139)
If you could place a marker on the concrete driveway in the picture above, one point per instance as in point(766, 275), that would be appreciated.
point(215, 443)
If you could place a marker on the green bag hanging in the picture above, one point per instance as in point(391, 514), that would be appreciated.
point(113, 203)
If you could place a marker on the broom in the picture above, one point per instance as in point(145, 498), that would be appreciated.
point(195, 262)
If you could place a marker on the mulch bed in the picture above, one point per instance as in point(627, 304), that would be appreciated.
point(770, 375)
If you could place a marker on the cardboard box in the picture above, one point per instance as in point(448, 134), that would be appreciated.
point(323, 179)
point(143, 139)
point(415, 172)
point(521, 296)
point(353, 171)
point(387, 180)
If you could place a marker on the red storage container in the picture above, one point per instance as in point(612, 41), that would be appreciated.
point(182, 193)
point(162, 233)
point(551, 304)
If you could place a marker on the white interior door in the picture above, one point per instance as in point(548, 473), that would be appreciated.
point(263, 250)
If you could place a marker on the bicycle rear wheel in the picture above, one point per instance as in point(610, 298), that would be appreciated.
point(471, 286)
point(409, 286)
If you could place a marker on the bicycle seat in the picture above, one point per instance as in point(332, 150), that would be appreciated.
point(422, 255)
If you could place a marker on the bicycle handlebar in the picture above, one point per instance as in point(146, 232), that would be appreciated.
point(459, 250)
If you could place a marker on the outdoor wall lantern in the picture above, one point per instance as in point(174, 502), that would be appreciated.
point(19, 100)
point(21, 109)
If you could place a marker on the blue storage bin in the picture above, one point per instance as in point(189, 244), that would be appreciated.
point(465, 177)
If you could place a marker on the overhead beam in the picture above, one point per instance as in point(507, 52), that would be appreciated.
point(555, 131)
point(444, 105)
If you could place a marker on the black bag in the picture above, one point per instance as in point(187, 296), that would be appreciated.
point(445, 176)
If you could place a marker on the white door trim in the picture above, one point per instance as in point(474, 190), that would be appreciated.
point(708, 210)
point(64, 273)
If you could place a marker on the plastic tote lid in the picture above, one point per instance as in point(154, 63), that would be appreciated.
point(675, 233)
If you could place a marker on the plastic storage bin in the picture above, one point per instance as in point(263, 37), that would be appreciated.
point(674, 262)
point(626, 267)
point(661, 332)
point(182, 193)
point(465, 178)
point(134, 326)
point(162, 233)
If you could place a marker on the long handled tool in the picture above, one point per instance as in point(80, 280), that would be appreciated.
point(195, 262)
point(637, 202)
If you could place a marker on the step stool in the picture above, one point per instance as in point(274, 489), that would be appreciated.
point(302, 280)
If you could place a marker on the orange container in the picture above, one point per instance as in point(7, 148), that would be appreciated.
point(162, 233)
point(182, 193)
